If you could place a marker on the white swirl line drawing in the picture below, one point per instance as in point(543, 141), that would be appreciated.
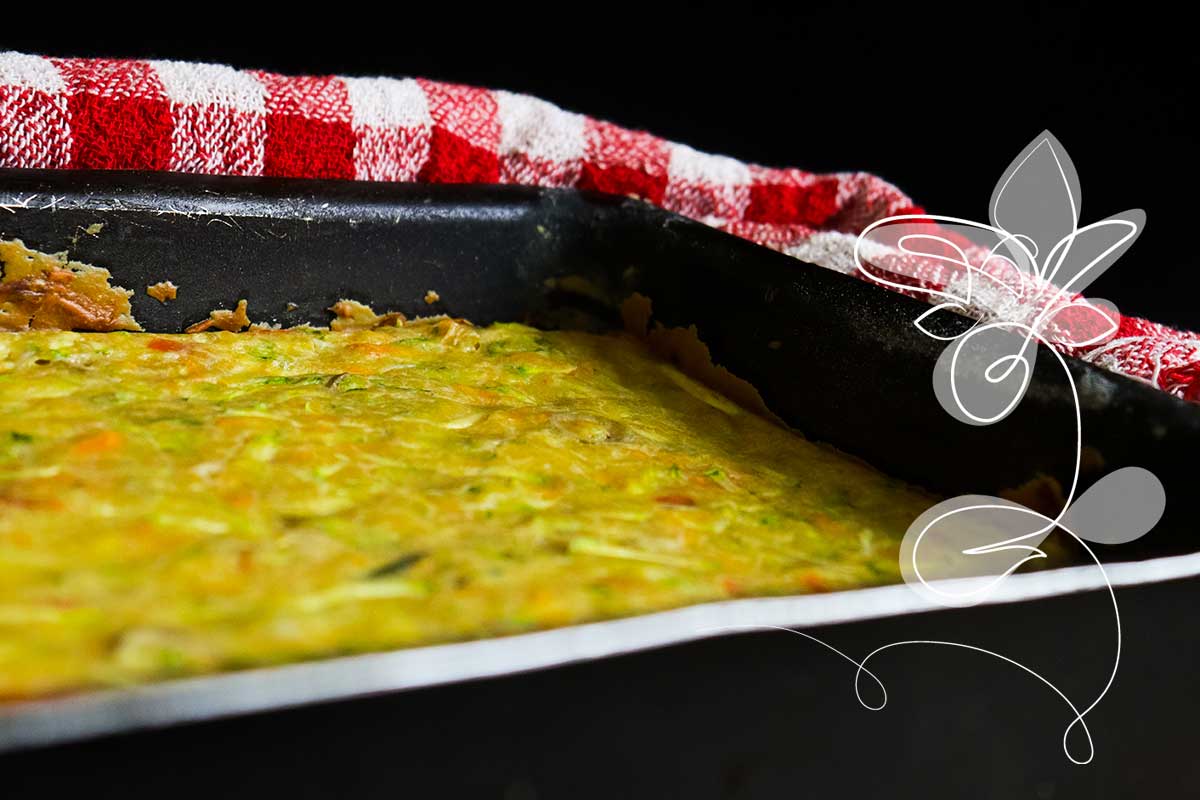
point(1077, 719)
point(1079, 716)
point(985, 370)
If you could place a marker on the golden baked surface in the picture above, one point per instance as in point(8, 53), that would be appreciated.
point(179, 504)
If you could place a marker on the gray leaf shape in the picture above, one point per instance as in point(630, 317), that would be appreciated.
point(980, 378)
point(1038, 196)
point(969, 544)
point(1122, 506)
point(1080, 258)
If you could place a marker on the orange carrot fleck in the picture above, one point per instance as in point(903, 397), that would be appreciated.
point(98, 443)
point(164, 345)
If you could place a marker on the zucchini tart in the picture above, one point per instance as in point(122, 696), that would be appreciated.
point(189, 503)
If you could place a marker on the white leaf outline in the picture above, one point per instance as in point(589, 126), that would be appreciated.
point(950, 306)
point(1131, 222)
point(1024, 543)
point(1029, 160)
point(1009, 361)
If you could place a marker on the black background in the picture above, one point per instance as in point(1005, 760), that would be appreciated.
point(937, 100)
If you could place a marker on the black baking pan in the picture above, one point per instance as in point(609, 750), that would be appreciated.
point(668, 712)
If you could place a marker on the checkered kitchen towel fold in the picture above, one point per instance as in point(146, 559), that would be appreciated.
point(63, 113)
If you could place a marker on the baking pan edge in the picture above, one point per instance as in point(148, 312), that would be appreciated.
point(43, 722)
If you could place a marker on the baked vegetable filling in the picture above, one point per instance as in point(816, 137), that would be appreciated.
point(179, 504)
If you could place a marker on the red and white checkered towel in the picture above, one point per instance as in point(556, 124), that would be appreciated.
point(162, 115)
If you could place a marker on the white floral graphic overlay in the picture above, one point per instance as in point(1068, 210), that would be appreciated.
point(1020, 276)
point(1030, 262)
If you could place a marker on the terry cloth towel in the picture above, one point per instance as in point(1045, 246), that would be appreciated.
point(65, 113)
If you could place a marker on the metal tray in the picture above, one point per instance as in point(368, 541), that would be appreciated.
point(851, 370)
